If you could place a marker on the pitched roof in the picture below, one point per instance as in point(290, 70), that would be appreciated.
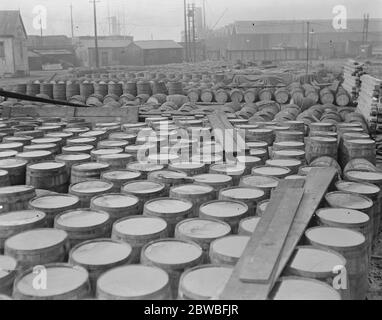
point(158, 44)
point(105, 43)
point(9, 22)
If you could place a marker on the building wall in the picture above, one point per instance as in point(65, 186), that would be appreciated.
point(162, 56)
point(7, 64)
point(134, 55)
point(270, 54)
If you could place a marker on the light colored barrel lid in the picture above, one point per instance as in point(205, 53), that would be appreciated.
point(295, 177)
point(324, 139)
point(115, 201)
point(36, 239)
point(81, 140)
point(47, 166)
point(7, 265)
point(361, 141)
point(230, 169)
point(144, 167)
point(248, 159)
point(261, 181)
point(40, 146)
point(172, 252)
point(224, 208)
point(370, 176)
point(93, 133)
point(283, 162)
point(114, 156)
point(46, 140)
point(100, 252)
point(211, 178)
point(91, 166)
point(335, 237)
point(34, 154)
point(348, 200)
point(203, 228)
point(341, 215)
point(257, 144)
point(206, 282)
point(12, 163)
point(263, 205)
point(140, 226)
point(133, 281)
point(7, 154)
point(61, 279)
point(121, 175)
point(73, 157)
point(168, 174)
point(231, 246)
point(250, 224)
point(10, 145)
point(18, 218)
point(270, 171)
point(290, 152)
point(15, 189)
point(168, 205)
point(321, 124)
point(82, 218)
point(358, 187)
point(260, 130)
point(193, 189)
point(143, 187)
point(79, 148)
point(113, 143)
point(290, 143)
point(187, 165)
point(314, 260)
point(91, 186)
point(304, 289)
point(101, 152)
point(242, 193)
point(3, 173)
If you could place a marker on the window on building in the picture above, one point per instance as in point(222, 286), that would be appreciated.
point(2, 50)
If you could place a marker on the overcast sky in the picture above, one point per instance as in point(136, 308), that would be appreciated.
point(163, 19)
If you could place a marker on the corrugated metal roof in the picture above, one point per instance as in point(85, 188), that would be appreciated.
point(9, 22)
point(157, 44)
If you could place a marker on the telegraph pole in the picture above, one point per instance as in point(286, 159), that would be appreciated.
point(71, 19)
point(193, 31)
point(204, 16)
point(307, 47)
point(96, 34)
point(186, 30)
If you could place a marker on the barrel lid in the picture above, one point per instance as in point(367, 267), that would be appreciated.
point(16, 189)
point(12, 163)
point(224, 208)
point(257, 145)
point(263, 205)
point(290, 152)
point(361, 175)
point(343, 216)
point(249, 224)
point(295, 177)
point(59, 135)
point(258, 152)
point(34, 154)
point(121, 175)
point(270, 171)
point(335, 237)
point(54, 201)
point(321, 124)
point(303, 289)
point(207, 158)
point(203, 228)
point(100, 252)
point(261, 181)
point(115, 156)
point(361, 141)
point(143, 187)
point(46, 140)
point(140, 225)
point(92, 133)
point(78, 148)
point(248, 159)
point(283, 162)
point(205, 282)
point(7, 266)
point(211, 178)
point(61, 279)
point(358, 187)
point(193, 189)
point(18, 218)
point(290, 143)
point(88, 166)
point(36, 239)
point(324, 139)
point(92, 186)
point(113, 143)
point(227, 168)
point(167, 174)
point(81, 218)
point(101, 152)
point(242, 193)
point(261, 130)
point(46, 166)
point(168, 205)
point(133, 281)
point(40, 146)
point(172, 252)
point(73, 157)
point(115, 201)
point(348, 200)
point(10, 145)
point(186, 165)
point(144, 167)
point(231, 246)
point(7, 154)
point(81, 140)
point(122, 136)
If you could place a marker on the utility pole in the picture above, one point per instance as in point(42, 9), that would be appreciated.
point(186, 30)
point(365, 31)
point(307, 46)
point(204, 16)
point(189, 36)
point(71, 20)
point(96, 33)
point(193, 31)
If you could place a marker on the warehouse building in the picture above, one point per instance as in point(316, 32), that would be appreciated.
point(13, 47)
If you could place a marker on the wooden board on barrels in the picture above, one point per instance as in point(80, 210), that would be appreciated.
point(91, 114)
point(316, 185)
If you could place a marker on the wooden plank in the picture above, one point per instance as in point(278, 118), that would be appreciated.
point(260, 261)
point(317, 183)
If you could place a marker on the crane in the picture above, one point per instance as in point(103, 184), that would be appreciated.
point(221, 17)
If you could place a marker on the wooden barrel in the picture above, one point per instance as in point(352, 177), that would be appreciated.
point(320, 147)
point(265, 183)
point(289, 136)
point(120, 177)
point(321, 126)
point(77, 149)
point(16, 198)
point(20, 139)
point(134, 282)
point(319, 264)
point(51, 176)
point(228, 250)
point(229, 211)
point(37, 156)
point(98, 256)
point(204, 282)
point(352, 245)
point(4, 178)
point(139, 231)
point(288, 145)
point(265, 135)
point(7, 154)
point(361, 148)
point(51, 147)
point(323, 162)
point(282, 96)
point(298, 288)
point(8, 268)
point(235, 171)
point(174, 256)
point(262, 154)
point(168, 178)
point(116, 161)
point(65, 282)
point(248, 226)
point(196, 194)
point(83, 225)
point(37, 247)
point(86, 190)
point(272, 171)
point(171, 210)
point(250, 196)
point(248, 162)
point(15, 222)
point(54, 204)
point(81, 141)
point(97, 153)
point(290, 154)
point(116, 205)
point(292, 164)
point(217, 181)
point(72, 159)
point(88, 171)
